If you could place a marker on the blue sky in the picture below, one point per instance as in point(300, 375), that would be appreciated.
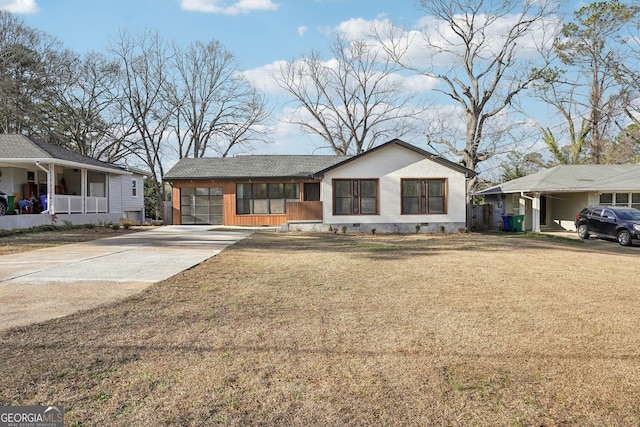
point(258, 32)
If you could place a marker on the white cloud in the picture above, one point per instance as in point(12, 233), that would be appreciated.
point(447, 48)
point(19, 6)
point(358, 28)
point(419, 83)
point(224, 8)
point(302, 30)
point(261, 78)
point(287, 138)
point(354, 28)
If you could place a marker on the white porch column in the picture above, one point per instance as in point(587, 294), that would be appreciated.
point(83, 189)
point(535, 218)
point(50, 186)
point(51, 189)
point(535, 210)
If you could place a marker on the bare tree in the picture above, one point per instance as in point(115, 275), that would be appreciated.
point(551, 87)
point(85, 116)
point(595, 45)
point(625, 148)
point(351, 101)
point(481, 52)
point(628, 72)
point(216, 108)
point(141, 96)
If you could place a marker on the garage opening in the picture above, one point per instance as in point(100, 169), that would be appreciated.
point(201, 205)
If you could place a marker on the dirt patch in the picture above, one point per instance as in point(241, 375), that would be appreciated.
point(294, 329)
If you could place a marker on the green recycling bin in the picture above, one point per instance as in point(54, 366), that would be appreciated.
point(517, 223)
point(11, 206)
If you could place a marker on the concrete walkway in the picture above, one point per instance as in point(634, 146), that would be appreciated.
point(39, 285)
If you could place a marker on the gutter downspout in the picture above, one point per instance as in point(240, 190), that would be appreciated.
point(50, 203)
point(535, 211)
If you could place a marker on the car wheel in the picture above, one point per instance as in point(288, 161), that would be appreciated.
point(583, 231)
point(624, 237)
point(3, 208)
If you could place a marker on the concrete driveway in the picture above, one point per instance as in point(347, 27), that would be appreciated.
point(39, 285)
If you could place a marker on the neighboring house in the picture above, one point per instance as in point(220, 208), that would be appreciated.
point(394, 187)
point(551, 198)
point(73, 187)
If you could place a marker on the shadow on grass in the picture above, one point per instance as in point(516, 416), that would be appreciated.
point(390, 246)
point(125, 353)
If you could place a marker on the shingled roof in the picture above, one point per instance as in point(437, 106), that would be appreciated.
point(572, 178)
point(16, 147)
point(251, 167)
point(281, 167)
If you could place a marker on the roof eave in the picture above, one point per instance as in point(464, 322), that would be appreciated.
point(59, 162)
point(241, 178)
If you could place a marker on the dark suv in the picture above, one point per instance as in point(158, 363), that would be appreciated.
point(618, 222)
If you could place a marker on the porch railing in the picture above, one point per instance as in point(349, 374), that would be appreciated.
point(73, 204)
point(96, 204)
point(68, 204)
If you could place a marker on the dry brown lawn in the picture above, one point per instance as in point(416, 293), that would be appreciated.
point(15, 242)
point(324, 329)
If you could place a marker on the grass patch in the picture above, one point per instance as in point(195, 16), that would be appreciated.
point(22, 240)
point(319, 329)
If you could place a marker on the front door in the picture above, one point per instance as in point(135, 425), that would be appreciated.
point(201, 205)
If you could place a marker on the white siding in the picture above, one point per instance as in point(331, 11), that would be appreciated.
point(115, 193)
point(389, 165)
point(129, 202)
point(133, 207)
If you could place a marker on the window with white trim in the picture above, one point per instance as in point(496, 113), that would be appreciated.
point(620, 199)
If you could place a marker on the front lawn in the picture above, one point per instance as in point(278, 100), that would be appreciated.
point(16, 241)
point(325, 329)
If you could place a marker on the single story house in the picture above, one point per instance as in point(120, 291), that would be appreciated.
point(44, 183)
point(551, 198)
point(395, 187)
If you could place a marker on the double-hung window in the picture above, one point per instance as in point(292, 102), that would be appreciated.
point(424, 196)
point(355, 196)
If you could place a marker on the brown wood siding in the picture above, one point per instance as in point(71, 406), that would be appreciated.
point(299, 211)
point(304, 210)
point(175, 205)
